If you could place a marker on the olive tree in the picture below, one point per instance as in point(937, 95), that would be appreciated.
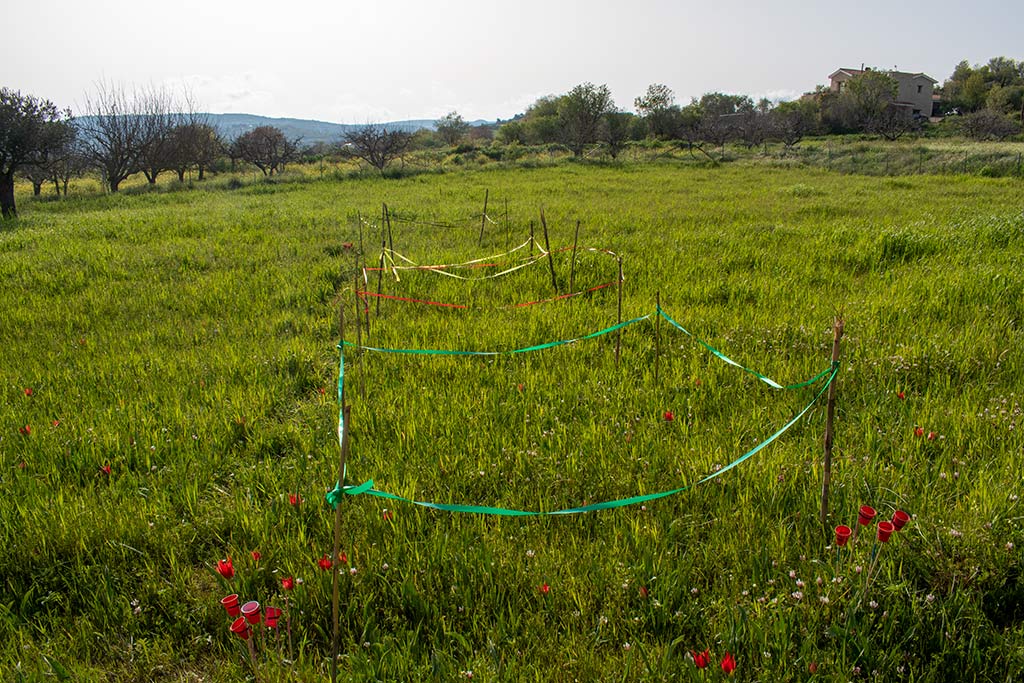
point(30, 128)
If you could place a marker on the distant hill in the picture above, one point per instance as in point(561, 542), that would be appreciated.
point(311, 132)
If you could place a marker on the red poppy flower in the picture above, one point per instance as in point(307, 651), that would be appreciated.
point(932, 436)
point(225, 568)
point(25, 431)
point(240, 628)
point(256, 555)
point(867, 513)
point(343, 558)
point(728, 664)
point(386, 515)
point(644, 592)
point(901, 395)
point(544, 589)
point(56, 423)
point(294, 498)
point(918, 431)
point(325, 563)
point(287, 583)
point(885, 530)
point(321, 391)
point(702, 659)
point(900, 519)
point(669, 416)
point(28, 391)
point(230, 604)
point(843, 534)
point(105, 469)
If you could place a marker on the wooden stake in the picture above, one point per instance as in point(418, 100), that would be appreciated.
point(572, 268)
point(483, 216)
point(336, 608)
point(532, 240)
point(826, 480)
point(657, 336)
point(359, 342)
point(390, 239)
point(508, 245)
point(380, 271)
point(547, 246)
point(359, 219)
point(618, 336)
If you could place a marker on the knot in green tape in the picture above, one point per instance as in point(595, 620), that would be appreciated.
point(335, 495)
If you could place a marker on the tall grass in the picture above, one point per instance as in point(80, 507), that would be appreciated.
point(187, 340)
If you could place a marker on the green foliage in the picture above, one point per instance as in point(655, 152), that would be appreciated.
point(184, 338)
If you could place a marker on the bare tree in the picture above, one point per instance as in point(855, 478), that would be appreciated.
point(267, 148)
point(791, 121)
point(160, 116)
point(113, 133)
point(376, 145)
point(987, 124)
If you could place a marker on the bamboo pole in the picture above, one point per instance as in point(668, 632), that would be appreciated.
point(572, 267)
point(826, 480)
point(391, 240)
point(508, 244)
point(547, 246)
point(657, 336)
point(335, 603)
point(483, 216)
point(618, 335)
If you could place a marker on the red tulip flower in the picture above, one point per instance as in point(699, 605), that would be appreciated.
point(918, 431)
point(56, 423)
point(28, 391)
point(900, 519)
point(25, 431)
point(867, 513)
point(885, 530)
point(294, 499)
point(325, 563)
point(728, 664)
point(287, 583)
point(901, 396)
point(669, 416)
point(225, 568)
point(386, 515)
point(343, 558)
point(702, 659)
point(256, 555)
point(932, 436)
point(544, 589)
point(105, 469)
point(843, 534)
point(230, 604)
point(644, 592)
point(240, 628)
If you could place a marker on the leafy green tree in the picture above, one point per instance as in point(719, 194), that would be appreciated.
point(30, 128)
point(451, 128)
point(658, 110)
point(790, 122)
point(580, 113)
point(615, 131)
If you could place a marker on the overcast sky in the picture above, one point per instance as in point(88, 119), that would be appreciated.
point(377, 61)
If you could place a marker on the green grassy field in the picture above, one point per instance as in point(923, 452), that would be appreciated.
point(187, 340)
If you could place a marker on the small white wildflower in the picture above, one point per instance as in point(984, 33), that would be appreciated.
point(873, 605)
point(694, 591)
point(823, 599)
point(366, 644)
point(530, 553)
point(798, 595)
point(818, 580)
point(792, 573)
point(627, 647)
point(1009, 545)
point(858, 569)
point(604, 620)
point(799, 583)
point(929, 598)
point(352, 571)
point(385, 566)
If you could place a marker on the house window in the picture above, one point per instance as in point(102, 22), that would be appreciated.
point(919, 89)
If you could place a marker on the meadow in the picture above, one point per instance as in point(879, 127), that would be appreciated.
point(169, 382)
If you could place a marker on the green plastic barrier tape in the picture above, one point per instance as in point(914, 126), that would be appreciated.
point(335, 496)
point(527, 349)
point(767, 380)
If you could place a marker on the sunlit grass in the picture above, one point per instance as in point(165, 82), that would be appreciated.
point(187, 340)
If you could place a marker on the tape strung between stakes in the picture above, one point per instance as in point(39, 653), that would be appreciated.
point(335, 495)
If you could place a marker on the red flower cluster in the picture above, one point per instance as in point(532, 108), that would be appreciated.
point(669, 416)
point(325, 563)
point(105, 469)
point(702, 659)
point(294, 499)
point(544, 589)
point(287, 583)
point(28, 391)
point(25, 431)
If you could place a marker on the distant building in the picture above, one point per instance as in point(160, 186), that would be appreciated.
point(914, 90)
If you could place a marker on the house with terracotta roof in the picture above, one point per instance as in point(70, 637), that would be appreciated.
point(914, 91)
